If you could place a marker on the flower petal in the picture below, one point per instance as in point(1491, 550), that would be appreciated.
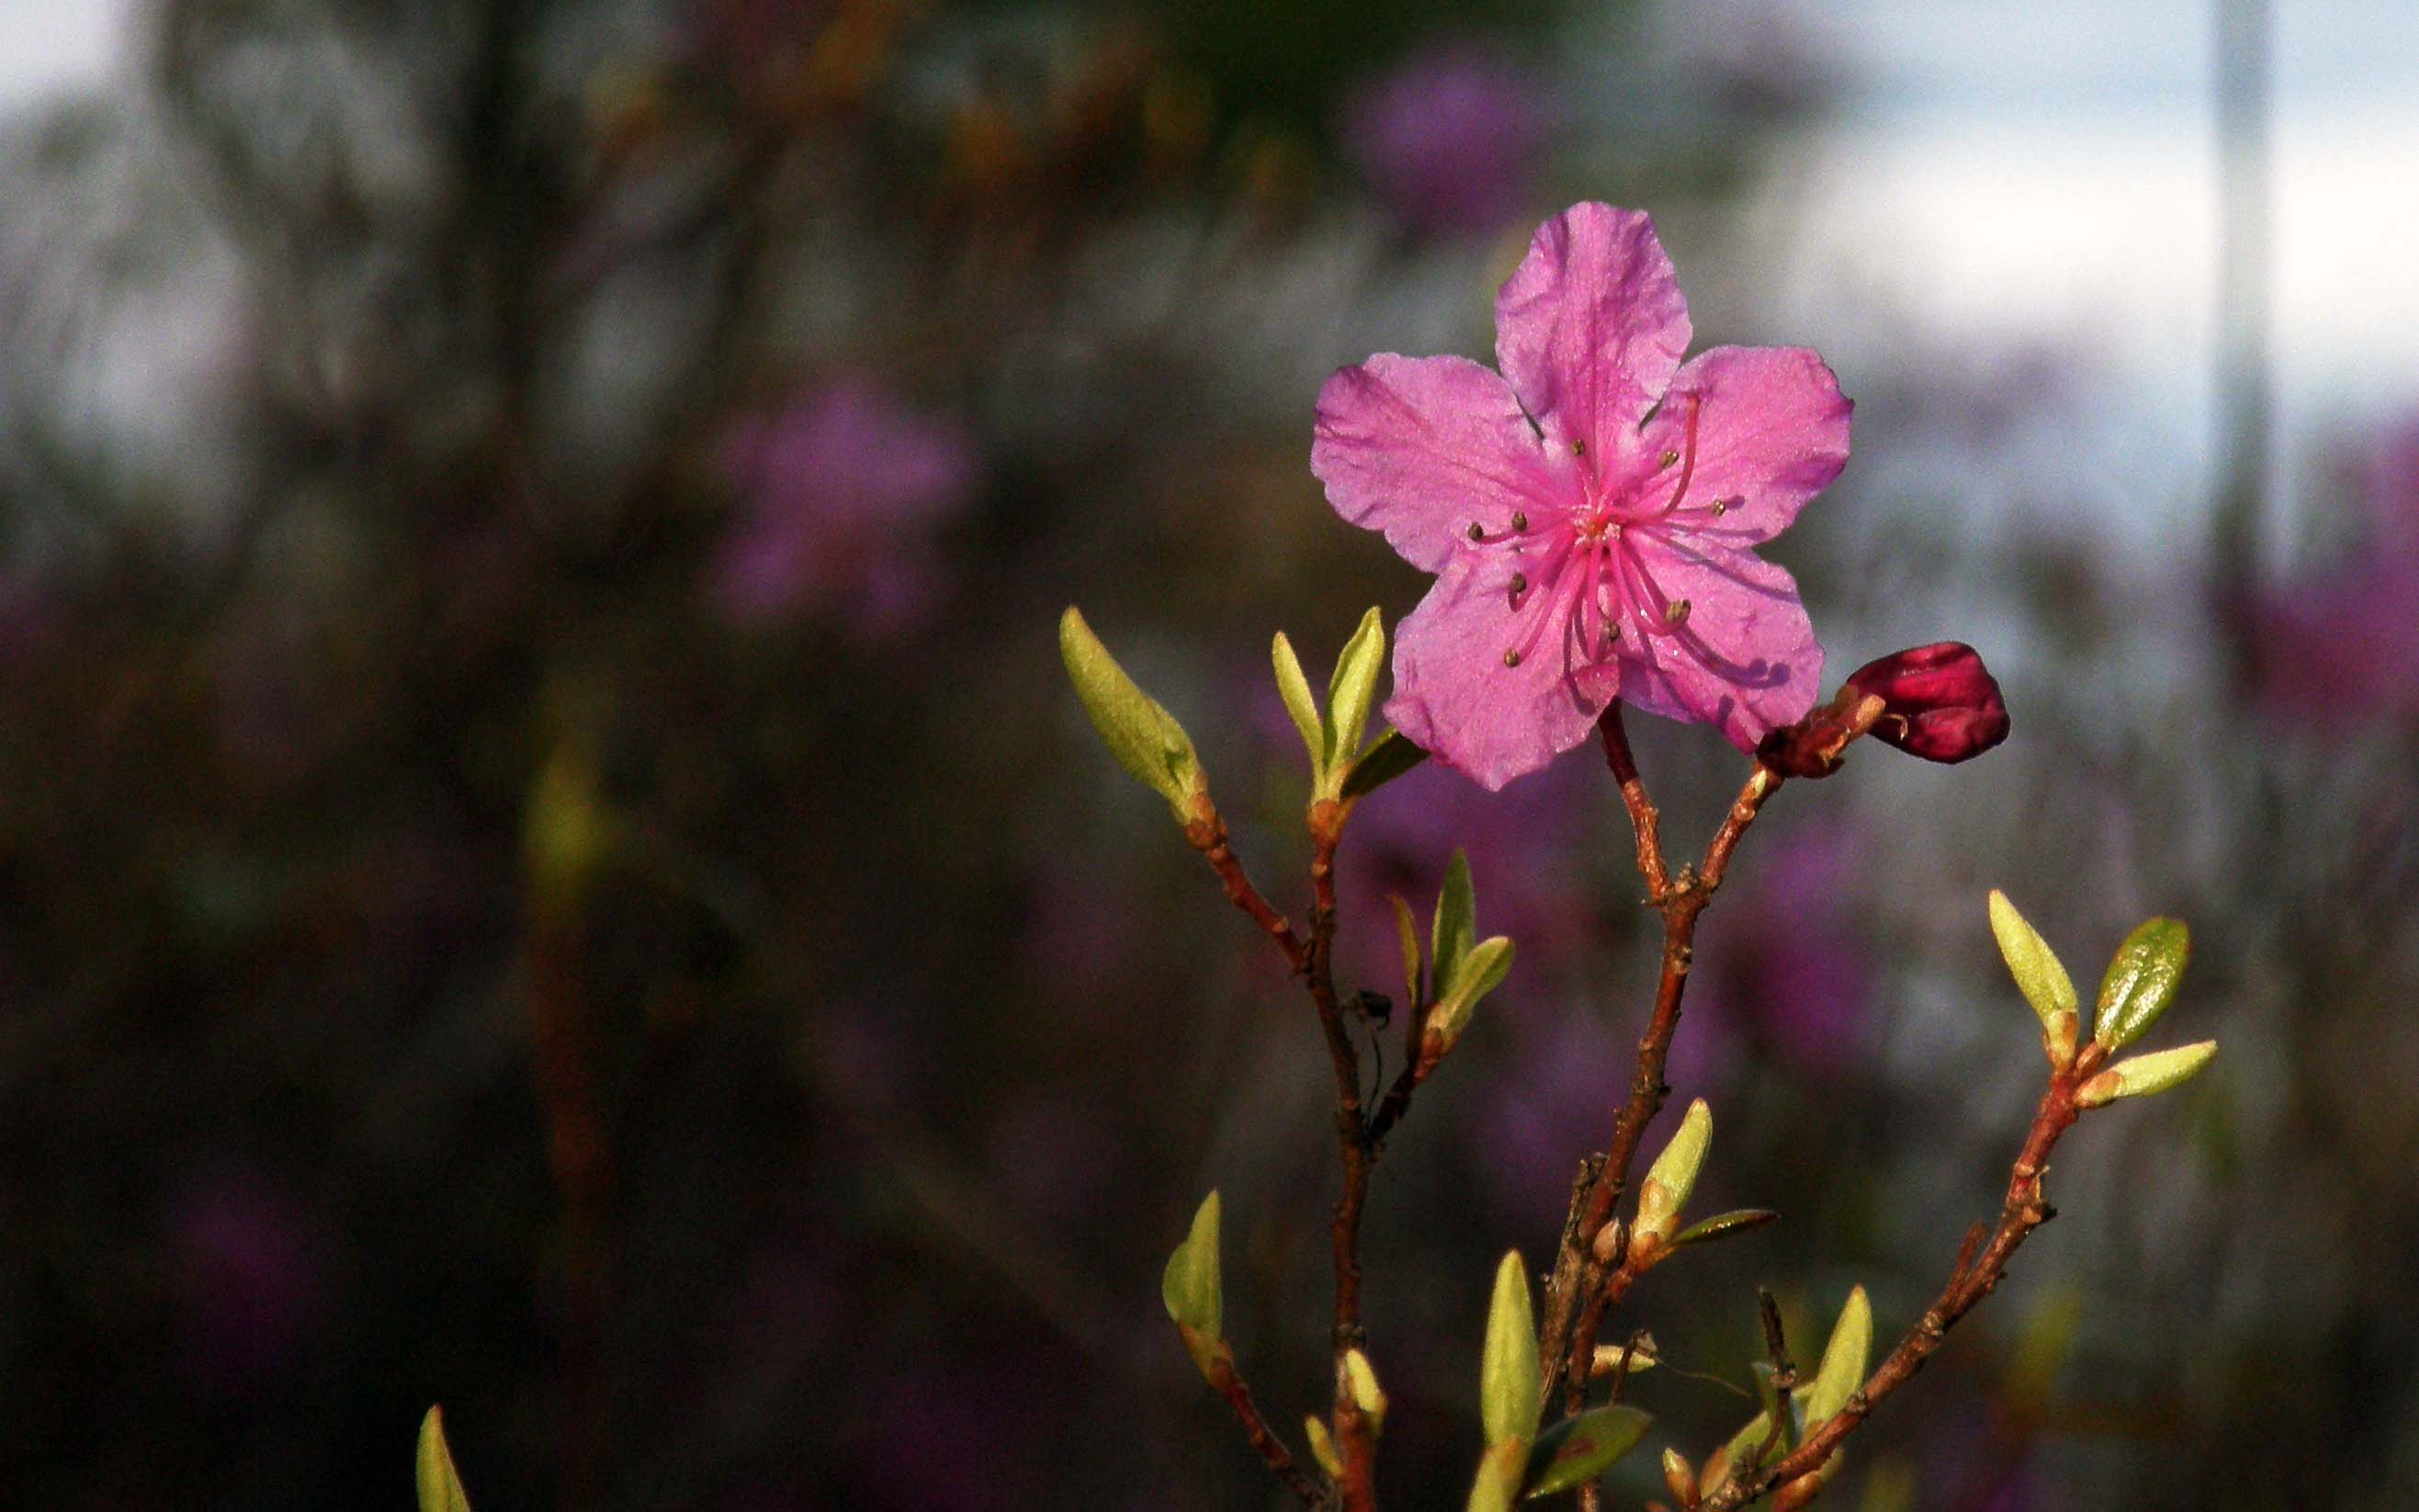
point(1772, 432)
point(1591, 326)
point(1455, 696)
point(1423, 447)
point(1744, 659)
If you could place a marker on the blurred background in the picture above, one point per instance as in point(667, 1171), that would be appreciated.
point(546, 863)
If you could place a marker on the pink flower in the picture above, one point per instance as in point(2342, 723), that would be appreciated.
point(843, 492)
point(1588, 512)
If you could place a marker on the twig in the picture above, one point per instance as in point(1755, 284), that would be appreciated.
point(1207, 831)
point(1977, 1276)
point(1229, 1385)
point(1578, 1294)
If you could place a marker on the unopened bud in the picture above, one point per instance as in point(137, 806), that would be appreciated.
point(1361, 1384)
point(1799, 1493)
point(1608, 1243)
point(1940, 703)
point(2058, 1037)
point(1679, 1477)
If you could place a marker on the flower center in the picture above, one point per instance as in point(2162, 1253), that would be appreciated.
point(1581, 575)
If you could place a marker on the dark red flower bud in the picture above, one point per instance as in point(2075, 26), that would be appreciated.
point(1943, 705)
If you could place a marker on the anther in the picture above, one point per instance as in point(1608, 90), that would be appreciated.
point(1477, 532)
point(1669, 458)
point(1675, 613)
point(1519, 520)
point(1578, 448)
point(1721, 507)
point(1519, 582)
point(1511, 658)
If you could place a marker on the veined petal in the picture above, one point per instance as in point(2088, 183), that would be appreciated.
point(1772, 432)
point(1744, 657)
point(1424, 447)
point(1455, 696)
point(1591, 326)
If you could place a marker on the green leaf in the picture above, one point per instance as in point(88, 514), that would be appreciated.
point(1482, 970)
point(2144, 1074)
point(1191, 1288)
point(1508, 1387)
point(1294, 688)
point(1456, 924)
point(2141, 980)
point(2039, 973)
point(1408, 933)
point(1388, 757)
point(1723, 1225)
point(440, 1489)
point(1673, 1175)
point(1500, 1471)
point(1578, 1449)
point(1843, 1363)
point(1144, 737)
point(1352, 688)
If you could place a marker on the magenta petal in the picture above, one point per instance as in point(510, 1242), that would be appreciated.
point(1423, 447)
point(1454, 697)
point(1591, 326)
point(1772, 432)
point(1744, 659)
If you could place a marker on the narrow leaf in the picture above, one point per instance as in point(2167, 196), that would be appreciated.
point(1578, 1449)
point(440, 1489)
point(1388, 757)
point(1407, 931)
point(1673, 1175)
point(2039, 973)
point(1456, 924)
point(1507, 1376)
point(2141, 980)
point(1191, 1288)
point(1352, 688)
point(1144, 737)
point(1294, 688)
point(1723, 1225)
point(1843, 1363)
point(1482, 970)
point(2144, 1074)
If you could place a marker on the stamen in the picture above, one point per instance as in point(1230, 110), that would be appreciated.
point(1721, 507)
point(1578, 448)
point(1511, 658)
point(1519, 520)
point(1688, 468)
point(1667, 458)
point(1477, 532)
point(1675, 613)
point(1519, 583)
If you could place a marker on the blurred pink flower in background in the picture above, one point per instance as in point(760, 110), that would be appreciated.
point(1449, 138)
point(2340, 646)
point(1784, 964)
point(1591, 512)
point(841, 492)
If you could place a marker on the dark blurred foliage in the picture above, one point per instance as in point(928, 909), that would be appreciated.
point(545, 863)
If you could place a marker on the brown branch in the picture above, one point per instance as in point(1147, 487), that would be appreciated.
point(1228, 1384)
point(1977, 1276)
point(1354, 1148)
point(1580, 1292)
point(1207, 832)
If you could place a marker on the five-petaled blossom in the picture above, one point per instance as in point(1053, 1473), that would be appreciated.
point(1588, 512)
